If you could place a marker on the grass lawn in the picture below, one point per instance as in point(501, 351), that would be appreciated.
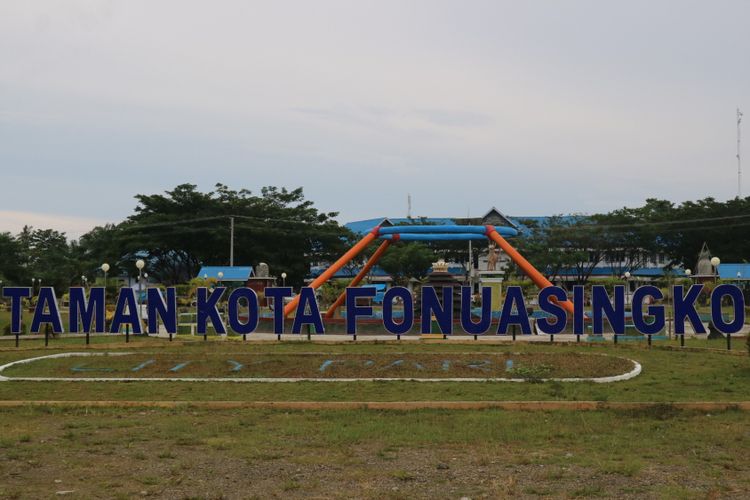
point(668, 375)
point(193, 452)
point(422, 454)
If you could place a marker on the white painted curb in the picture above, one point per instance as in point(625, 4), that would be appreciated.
point(599, 380)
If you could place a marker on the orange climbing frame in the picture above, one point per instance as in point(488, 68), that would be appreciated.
point(360, 276)
point(490, 231)
point(343, 260)
point(530, 271)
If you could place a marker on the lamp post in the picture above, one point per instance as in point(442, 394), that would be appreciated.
point(283, 279)
point(627, 285)
point(688, 275)
point(715, 261)
point(105, 270)
point(139, 264)
point(670, 303)
point(220, 276)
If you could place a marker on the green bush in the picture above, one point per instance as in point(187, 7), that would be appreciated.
point(330, 291)
point(6, 329)
point(184, 290)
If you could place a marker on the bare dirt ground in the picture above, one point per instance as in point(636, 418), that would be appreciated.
point(332, 365)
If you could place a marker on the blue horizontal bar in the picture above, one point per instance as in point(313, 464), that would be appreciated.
point(437, 229)
point(436, 237)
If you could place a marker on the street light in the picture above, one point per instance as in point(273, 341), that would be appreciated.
point(627, 284)
point(283, 279)
point(220, 275)
point(689, 276)
point(139, 264)
point(715, 261)
point(105, 270)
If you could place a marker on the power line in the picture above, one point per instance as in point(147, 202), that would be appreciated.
point(646, 223)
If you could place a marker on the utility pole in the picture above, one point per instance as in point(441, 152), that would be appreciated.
point(231, 241)
point(739, 160)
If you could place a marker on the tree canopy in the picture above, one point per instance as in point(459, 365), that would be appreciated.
point(183, 229)
point(178, 231)
point(407, 260)
point(628, 238)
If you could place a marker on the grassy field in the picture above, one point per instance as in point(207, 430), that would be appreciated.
point(191, 452)
point(422, 454)
point(705, 375)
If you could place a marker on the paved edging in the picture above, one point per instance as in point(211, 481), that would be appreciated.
point(599, 380)
point(393, 405)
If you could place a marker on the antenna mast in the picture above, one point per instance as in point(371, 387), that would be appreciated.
point(739, 160)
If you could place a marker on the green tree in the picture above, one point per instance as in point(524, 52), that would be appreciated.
point(100, 245)
point(406, 261)
point(47, 256)
point(572, 243)
point(12, 262)
point(181, 230)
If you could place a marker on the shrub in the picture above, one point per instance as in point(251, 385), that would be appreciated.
point(6, 329)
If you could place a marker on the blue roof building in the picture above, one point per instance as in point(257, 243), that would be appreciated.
point(230, 273)
point(730, 271)
point(493, 216)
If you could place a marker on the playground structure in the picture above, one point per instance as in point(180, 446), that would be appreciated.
point(391, 234)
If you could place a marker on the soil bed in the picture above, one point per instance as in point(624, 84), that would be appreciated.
point(321, 365)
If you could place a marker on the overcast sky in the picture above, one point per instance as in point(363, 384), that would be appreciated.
point(534, 107)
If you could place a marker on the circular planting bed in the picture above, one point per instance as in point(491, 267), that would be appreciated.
point(246, 367)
